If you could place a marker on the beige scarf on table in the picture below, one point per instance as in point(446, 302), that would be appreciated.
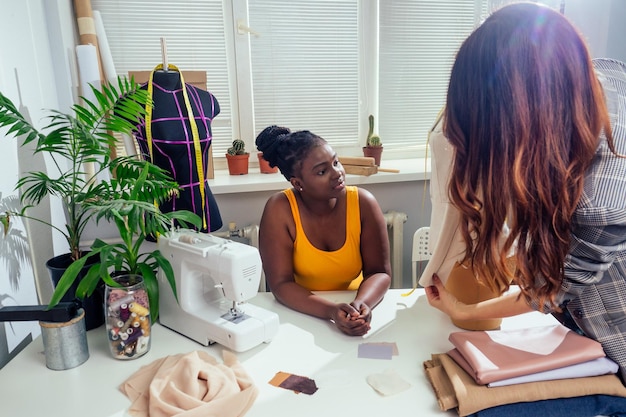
point(190, 385)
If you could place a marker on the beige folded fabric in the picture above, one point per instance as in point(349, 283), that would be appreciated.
point(439, 380)
point(455, 388)
point(190, 385)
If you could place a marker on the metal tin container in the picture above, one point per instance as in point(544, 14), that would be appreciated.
point(65, 344)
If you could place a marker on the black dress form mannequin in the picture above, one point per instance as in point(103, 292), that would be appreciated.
point(173, 146)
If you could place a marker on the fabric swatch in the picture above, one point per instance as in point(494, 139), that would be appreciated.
point(388, 382)
point(295, 383)
point(382, 350)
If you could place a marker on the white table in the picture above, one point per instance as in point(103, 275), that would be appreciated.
point(304, 346)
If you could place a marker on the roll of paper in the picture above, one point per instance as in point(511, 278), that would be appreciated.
point(87, 29)
point(105, 51)
point(88, 72)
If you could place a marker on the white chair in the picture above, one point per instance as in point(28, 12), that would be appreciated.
point(421, 252)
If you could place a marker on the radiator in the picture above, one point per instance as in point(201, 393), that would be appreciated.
point(395, 228)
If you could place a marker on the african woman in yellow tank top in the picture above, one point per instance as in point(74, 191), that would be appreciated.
point(321, 234)
point(323, 270)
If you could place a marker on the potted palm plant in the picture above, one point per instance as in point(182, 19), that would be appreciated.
point(71, 141)
point(131, 202)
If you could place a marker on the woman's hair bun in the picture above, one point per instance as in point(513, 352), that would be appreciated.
point(268, 139)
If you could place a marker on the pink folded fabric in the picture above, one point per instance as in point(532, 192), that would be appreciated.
point(190, 385)
point(594, 367)
point(502, 354)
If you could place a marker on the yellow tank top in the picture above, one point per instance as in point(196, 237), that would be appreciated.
point(319, 270)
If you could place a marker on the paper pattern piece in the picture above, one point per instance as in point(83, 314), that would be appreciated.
point(388, 382)
point(293, 382)
point(381, 350)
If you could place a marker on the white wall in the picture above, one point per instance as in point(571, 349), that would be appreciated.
point(616, 47)
point(35, 74)
point(602, 24)
point(28, 78)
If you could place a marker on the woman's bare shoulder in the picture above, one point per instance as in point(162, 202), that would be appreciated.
point(277, 207)
point(278, 199)
point(366, 198)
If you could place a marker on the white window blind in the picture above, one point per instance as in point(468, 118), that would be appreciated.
point(418, 43)
point(305, 67)
point(311, 66)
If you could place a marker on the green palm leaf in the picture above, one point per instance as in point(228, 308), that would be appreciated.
point(130, 200)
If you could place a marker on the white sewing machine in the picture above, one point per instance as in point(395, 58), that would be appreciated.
point(214, 278)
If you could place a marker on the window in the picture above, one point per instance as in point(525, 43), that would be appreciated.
point(322, 65)
point(418, 43)
point(305, 67)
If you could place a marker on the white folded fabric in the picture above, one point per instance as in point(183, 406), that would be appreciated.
point(595, 367)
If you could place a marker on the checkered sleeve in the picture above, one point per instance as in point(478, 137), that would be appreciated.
point(597, 253)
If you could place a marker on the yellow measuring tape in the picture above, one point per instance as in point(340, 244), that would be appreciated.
point(194, 132)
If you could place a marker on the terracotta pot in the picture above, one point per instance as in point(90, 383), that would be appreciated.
point(264, 166)
point(373, 152)
point(462, 283)
point(237, 164)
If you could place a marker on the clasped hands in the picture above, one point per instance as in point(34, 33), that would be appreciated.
point(353, 319)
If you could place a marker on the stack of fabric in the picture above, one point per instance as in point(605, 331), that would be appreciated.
point(544, 370)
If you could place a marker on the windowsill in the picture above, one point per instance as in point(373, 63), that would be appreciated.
point(417, 169)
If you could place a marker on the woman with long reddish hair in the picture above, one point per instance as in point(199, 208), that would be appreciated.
point(538, 134)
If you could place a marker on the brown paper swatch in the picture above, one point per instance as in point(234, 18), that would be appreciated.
point(293, 382)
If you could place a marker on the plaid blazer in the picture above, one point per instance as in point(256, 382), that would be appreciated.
point(594, 289)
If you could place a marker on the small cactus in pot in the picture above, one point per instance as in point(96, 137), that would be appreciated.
point(372, 139)
point(238, 148)
point(237, 158)
point(373, 146)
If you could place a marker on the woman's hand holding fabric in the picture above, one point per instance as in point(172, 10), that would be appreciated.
point(442, 299)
